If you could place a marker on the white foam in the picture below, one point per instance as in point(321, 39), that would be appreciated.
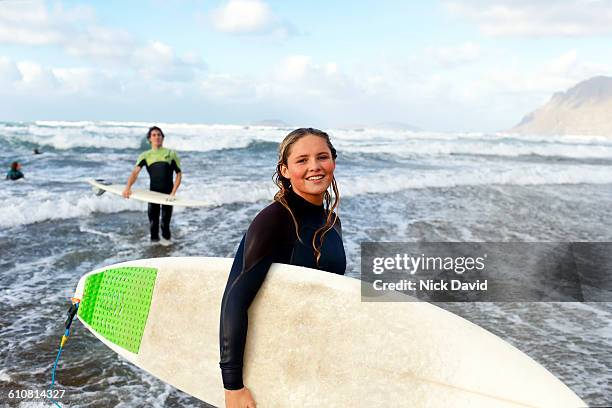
point(33, 404)
point(69, 135)
point(43, 206)
point(222, 192)
point(398, 179)
point(4, 376)
point(203, 137)
point(421, 147)
point(84, 228)
point(62, 123)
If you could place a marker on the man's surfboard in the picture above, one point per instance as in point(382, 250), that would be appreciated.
point(146, 195)
point(312, 342)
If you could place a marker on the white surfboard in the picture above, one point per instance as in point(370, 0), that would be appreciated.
point(147, 196)
point(312, 342)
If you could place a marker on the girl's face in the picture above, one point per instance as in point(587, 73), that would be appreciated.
point(156, 139)
point(310, 168)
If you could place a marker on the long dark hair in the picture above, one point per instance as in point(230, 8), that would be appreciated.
point(284, 185)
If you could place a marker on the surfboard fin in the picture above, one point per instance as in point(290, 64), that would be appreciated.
point(105, 182)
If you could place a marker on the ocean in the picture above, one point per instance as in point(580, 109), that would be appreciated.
point(394, 186)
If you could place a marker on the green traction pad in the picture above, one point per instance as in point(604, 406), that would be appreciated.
point(116, 304)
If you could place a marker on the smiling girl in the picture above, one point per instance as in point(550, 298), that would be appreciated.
point(299, 228)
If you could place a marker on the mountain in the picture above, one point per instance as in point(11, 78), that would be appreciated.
point(585, 109)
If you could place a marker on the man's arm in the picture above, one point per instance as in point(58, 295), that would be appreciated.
point(177, 182)
point(131, 180)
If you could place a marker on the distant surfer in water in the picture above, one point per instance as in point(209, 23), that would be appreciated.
point(299, 228)
point(161, 164)
point(15, 172)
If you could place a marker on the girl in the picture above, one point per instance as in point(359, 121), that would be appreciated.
point(299, 228)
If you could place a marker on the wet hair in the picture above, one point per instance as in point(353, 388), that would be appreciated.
point(14, 165)
point(151, 129)
point(284, 185)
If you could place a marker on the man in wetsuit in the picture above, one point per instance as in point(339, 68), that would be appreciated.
point(161, 164)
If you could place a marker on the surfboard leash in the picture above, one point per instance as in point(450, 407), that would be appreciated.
point(74, 308)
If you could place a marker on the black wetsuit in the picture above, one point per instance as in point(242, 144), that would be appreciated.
point(270, 238)
point(161, 164)
point(14, 175)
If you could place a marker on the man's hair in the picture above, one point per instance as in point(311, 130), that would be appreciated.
point(151, 129)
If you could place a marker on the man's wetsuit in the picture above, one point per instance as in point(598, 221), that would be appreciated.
point(14, 175)
point(270, 238)
point(161, 164)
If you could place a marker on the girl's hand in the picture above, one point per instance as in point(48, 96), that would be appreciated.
point(241, 398)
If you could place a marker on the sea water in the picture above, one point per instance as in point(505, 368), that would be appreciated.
point(394, 186)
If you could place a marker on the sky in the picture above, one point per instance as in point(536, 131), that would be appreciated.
point(465, 65)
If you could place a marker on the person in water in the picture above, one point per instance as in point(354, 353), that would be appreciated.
point(15, 172)
point(299, 228)
point(161, 164)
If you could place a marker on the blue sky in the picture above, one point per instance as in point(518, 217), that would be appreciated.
point(465, 65)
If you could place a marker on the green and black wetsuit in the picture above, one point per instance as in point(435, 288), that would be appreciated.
point(161, 165)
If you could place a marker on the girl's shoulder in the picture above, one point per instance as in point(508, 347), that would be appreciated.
point(273, 216)
point(269, 231)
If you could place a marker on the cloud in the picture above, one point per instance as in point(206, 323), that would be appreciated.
point(294, 68)
point(33, 23)
point(299, 68)
point(249, 17)
point(95, 83)
point(79, 80)
point(242, 16)
point(100, 43)
point(229, 87)
point(556, 74)
point(31, 78)
point(498, 95)
point(35, 77)
point(9, 72)
point(76, 31)
point(154, 53)
point(536, 19)
point(563, 64)
point(454, 56)
point(295, 79)
point(300, 75)
point(158, 60)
